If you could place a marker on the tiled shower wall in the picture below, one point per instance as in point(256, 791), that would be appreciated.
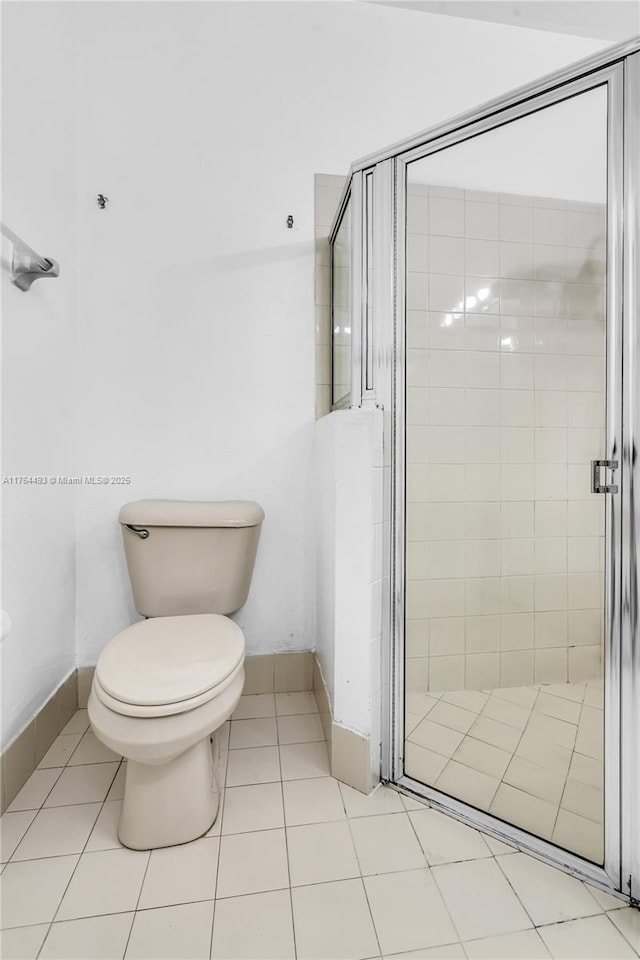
point(505, 411)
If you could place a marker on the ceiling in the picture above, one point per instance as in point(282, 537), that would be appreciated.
point(612, 20)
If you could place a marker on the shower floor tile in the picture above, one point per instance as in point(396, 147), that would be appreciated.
point(531, 755)
point(299, 865)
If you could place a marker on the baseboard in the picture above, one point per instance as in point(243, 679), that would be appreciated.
point(351, 758)
point(349, 752)
point(323, 702)
point(21, 757)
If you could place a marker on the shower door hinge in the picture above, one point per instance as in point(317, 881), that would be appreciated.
point(596, 485)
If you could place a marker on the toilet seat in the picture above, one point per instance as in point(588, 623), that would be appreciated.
point(168, 665)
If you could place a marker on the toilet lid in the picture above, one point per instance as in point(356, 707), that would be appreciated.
point(168, 659)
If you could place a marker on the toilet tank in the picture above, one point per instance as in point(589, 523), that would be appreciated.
point(189, 557)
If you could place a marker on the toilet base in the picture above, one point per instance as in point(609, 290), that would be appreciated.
point(170, 803)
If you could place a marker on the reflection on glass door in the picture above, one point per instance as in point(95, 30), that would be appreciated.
point(505, 639)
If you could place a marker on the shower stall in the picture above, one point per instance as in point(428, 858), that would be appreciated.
point(485, 295)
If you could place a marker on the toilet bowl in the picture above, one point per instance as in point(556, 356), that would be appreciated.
point(161, 691)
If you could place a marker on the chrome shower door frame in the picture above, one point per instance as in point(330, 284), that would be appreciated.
point(622, 577)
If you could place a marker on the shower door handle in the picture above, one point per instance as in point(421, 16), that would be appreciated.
point(596, 485)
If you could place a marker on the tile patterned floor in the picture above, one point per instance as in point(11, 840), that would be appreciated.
point(532, 756)
point(297, 865)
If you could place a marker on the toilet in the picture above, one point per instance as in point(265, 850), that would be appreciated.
point(164, 686)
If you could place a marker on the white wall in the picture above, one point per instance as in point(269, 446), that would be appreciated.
point(38, 353)
point(349, 562)
point(571, 162)
point(204, 123)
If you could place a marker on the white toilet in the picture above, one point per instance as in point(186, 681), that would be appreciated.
point(164, 686)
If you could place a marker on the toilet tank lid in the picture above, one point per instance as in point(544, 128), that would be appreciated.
point(192, 513)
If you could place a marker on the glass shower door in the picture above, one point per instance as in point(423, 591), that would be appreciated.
point(511, 400)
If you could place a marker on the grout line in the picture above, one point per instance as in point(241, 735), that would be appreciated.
point(223, 793)
point(73, 872)
point(286, 845)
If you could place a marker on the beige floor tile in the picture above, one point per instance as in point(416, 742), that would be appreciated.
point(532, 814)
point(78, 724)
point(569, 691)
point(558, 707)
point(473, 700)
point(106, 881)
point(594, 695)
point(411, 721)
point(606, 900)
point(386, 843)
point(481, 902)
point(422, 764)
point(320, 852)
point(554, 731)
point(497, 734)
point(535, 780)
point(584, 800)
point(414, 803)
point(498, 847)
point(526, 945)
point(453, 951)
point(332, 920)
point(466, 784)
point(92, 750)
point(512, 714)
point(258, 925)
point(381, 800)
point(13, 827)
point(172, 933)
point(35, 791)
point(104, 835)
point(420, 703)
point(305, 728)
point(312, 801)
point(254, 807)
point(437, 738)
point(57, 831)
point(254, 765)
point(288, 704)
point(22, 943)
point(32, 889)
point(548, 895)
point(180, 874)
point(252, 863)
point(628, 923)
point(88, 783)
point(594, 938)
point(60, 750)
point(452, 716)
point(579, 835)
point(592, 718)
point(590, 743)
point(301, 761)
point(587, 770)
point(116, 790)
point(94, 938)
point(254, 706)
point(408, 911)
point(483, 757)
point(253, 733)
point(446, 840)
point(543, 753)
point(522, 696)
